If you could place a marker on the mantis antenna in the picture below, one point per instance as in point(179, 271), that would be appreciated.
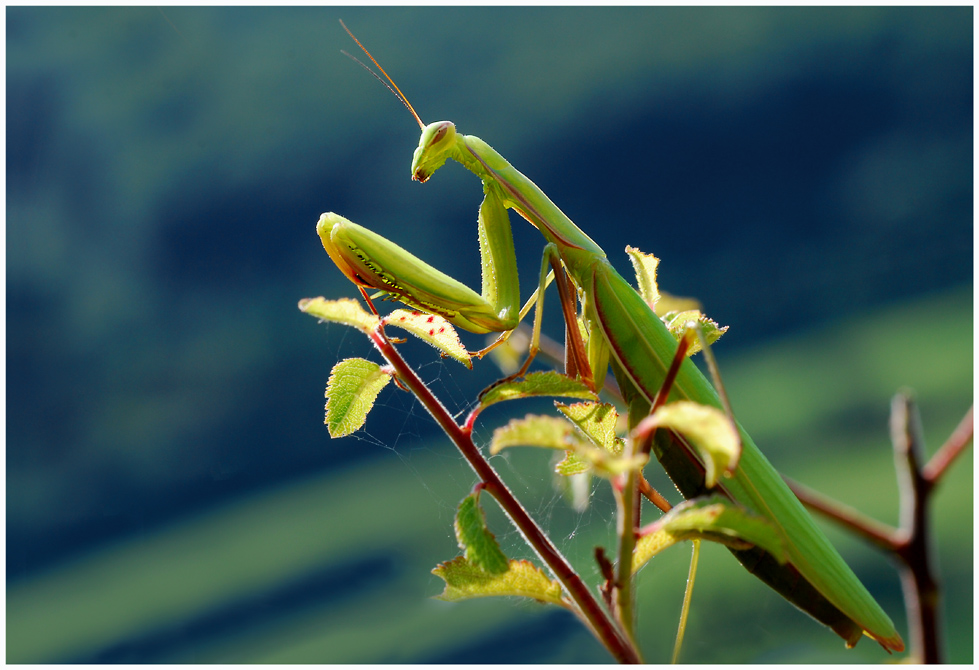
point(397, 91)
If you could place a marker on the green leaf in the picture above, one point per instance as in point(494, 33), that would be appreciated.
point(672, 303)
point(350, 394)
point(708, 430)
point(603, 451)
point(572, 465)
point(432, 329)
point(550, 432)
point(596, 420)
point(607, 465)
point(548, 383)
point(482, 550)
point(345, 310)
point(714, 519)
point(645, 266)
point(677, 325)
point(464, 580)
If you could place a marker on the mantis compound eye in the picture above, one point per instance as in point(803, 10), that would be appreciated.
point(442, 131)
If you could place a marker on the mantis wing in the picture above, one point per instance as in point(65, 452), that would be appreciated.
point(642, 349)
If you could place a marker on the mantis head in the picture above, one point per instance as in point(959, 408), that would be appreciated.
point(438, 142)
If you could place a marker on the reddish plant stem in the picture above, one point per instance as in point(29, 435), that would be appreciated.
point(653, 496)
point(912, 543)
point(588, 607)
point(922, 594)
point(954, 445)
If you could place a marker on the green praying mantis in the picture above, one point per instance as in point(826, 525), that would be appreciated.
point(622, 331)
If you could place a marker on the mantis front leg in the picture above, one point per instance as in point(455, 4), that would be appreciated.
point(373, 262)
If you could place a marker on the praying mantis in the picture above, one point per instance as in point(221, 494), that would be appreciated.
point(622, 331)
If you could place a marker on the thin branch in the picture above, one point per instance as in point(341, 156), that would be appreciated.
point(912, 543)
point(946, 455)
point(626, 497)
point(652, 495)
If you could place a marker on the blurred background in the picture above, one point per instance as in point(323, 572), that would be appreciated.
point(172, 493)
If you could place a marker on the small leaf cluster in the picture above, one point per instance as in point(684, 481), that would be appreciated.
point(355, 383)
point(484, 570)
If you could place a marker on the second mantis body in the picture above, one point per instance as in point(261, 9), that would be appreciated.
point(622, 330)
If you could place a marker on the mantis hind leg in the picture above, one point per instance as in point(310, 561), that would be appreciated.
point(524, 311)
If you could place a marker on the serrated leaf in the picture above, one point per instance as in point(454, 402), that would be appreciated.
point(708, 430)
point(607, 465)
point(677, 325)
point(480, 546)
point(598, 460)
point(572, 465)
point(645, 266)
point(596, 420)
point(345, 310)
point(464, 580)
point(550, 432)
point(548, 383)
point(714, 519)
point(432, 329)
point(603, 451)
point(350, 394)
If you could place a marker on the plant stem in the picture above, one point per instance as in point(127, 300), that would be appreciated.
point(921, 592)
point(588, 607)
point(912, 543)
point(625, 497)
point(687, 596)
point(946, 455)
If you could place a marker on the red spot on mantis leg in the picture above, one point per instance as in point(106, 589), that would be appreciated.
point(431, 319)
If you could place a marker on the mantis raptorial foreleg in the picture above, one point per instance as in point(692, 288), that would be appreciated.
point(623, 331)
point(371, 261)
point(524, 311)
